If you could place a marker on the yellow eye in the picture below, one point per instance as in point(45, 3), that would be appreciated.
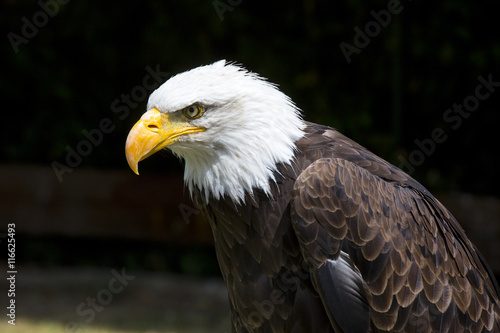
point(193, 111)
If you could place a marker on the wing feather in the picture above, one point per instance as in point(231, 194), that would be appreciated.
point(339, 279)
point(417, 265)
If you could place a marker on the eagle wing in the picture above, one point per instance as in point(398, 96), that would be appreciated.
point(386, 255)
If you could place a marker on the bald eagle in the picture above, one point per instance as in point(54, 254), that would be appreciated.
point(313, 233)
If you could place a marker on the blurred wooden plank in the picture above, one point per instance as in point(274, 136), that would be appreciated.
point(107, 203)
point(99, 203)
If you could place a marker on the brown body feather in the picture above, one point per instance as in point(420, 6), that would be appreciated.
point(339, 213)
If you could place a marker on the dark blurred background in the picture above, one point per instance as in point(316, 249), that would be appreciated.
point(76, 76)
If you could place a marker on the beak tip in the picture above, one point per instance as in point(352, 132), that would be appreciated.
point(134, 167)
point(133, 163)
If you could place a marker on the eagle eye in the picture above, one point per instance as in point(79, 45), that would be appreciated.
point(193, 111)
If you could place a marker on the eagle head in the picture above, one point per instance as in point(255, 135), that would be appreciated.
point(231, 126)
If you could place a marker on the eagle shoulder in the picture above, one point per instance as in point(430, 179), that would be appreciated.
point(417, 265)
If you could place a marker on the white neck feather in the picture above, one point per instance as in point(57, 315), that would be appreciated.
point(251, 129)
point(242, 156)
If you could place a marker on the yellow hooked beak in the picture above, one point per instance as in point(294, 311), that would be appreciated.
point(153, 132)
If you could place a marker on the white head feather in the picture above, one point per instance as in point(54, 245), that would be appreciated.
point(250, 127)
